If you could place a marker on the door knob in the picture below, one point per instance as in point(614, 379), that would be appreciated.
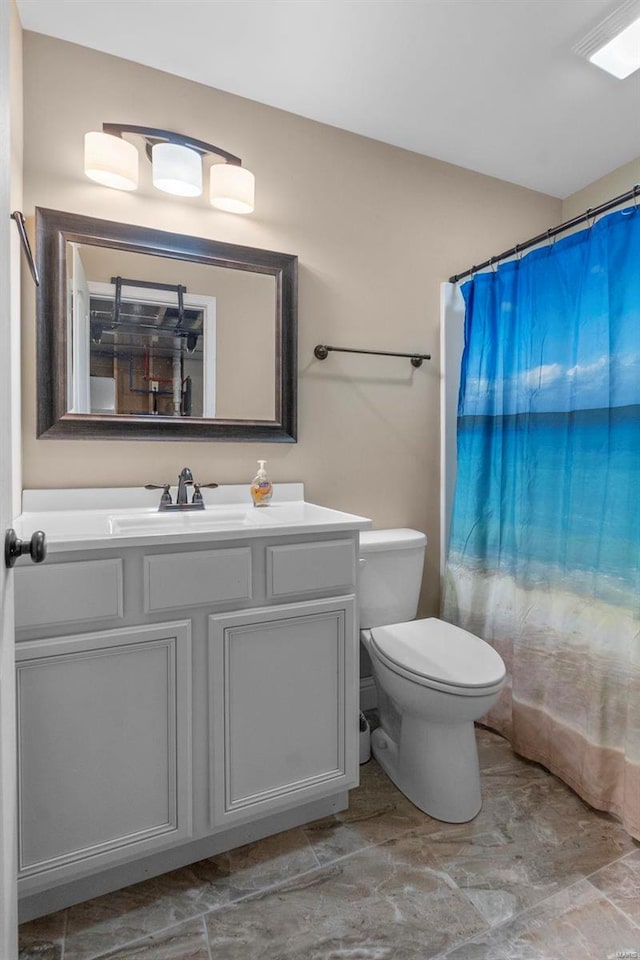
point(14, 548)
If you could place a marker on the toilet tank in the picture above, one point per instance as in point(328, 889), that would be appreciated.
point(390, 575)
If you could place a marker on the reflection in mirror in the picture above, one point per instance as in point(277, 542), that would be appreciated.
point(144, 334)
point(150, 336)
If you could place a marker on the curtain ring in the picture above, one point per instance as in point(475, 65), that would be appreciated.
point(551, 239)
point(518, 253)
point(636, 193)
point(587, 215)
point(492, 264)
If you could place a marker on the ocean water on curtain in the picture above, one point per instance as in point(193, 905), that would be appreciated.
point(548, 487)
point(564, 507)
point(544, 559)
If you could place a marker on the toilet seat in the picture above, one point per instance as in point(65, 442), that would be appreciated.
point(439, 655)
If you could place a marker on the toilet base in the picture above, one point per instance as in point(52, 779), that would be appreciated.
point(435, 765)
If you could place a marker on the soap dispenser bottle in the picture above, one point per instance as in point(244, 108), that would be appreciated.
point(261, 488)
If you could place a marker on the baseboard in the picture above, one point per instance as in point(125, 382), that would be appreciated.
point(368, 693)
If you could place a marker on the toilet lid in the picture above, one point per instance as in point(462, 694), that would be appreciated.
point(439, 651)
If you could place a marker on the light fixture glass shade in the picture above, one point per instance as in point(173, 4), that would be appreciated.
point(232, 188)
point(177, 169)
point(111, 161)
point(621, 55)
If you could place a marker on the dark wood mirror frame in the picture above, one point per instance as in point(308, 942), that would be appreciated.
point(53, 231)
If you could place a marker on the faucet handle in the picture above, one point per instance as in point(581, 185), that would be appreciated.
point(197, 495)
point(165, 487)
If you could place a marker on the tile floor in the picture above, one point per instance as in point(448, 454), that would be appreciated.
point(537, 875)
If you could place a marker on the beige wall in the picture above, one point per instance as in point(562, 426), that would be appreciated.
point(376, 229)
point(614, 184)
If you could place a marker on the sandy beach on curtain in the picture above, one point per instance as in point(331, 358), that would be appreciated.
point(569, 646)
point(573, 697)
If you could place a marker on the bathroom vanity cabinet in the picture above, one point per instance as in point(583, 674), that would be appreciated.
point(176, 699)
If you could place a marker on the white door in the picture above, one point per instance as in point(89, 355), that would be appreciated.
point(9, 266)
point(79, 343)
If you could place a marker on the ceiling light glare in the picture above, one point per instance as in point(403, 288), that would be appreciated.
point(621, 55)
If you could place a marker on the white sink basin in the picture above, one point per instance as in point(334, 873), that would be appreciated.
point(170, 522)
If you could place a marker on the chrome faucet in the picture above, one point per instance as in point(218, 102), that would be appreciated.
point(185, 479)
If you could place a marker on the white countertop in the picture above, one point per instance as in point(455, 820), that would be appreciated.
point(91, 519)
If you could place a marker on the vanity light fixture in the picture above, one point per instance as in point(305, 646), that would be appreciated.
point(614, 45)
point(111, 161)
point(231, 188)
point(176, 169)
point(176, 165)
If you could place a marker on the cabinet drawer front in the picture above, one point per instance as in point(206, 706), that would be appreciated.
point(68, 592)
point(104, 740)
point(187, 579)
point(310, 567)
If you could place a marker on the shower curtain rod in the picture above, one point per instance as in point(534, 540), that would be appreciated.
point(631, 194)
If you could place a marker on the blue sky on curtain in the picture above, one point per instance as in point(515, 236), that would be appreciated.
point(544, 557)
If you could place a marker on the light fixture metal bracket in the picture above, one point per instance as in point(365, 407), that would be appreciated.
point(153, 135)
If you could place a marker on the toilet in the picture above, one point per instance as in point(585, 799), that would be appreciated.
point(434, 680)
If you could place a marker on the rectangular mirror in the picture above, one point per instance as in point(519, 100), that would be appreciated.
point(144, 334)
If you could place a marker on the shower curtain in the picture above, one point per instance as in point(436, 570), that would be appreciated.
point(544, 557)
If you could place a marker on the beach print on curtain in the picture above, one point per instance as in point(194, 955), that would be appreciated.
point(544, 559)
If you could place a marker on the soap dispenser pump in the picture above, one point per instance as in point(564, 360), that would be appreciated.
point(261, 488)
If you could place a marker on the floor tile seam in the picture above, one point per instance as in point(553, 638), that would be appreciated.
point(521, 913)
point(270, 888)
point(623, 856)
point(204, 912)
point(147, 936)
point(311, 847)
point(451, 950)
point(206, 936)
point(215, 909)
point(409, 832)
point(442, 956)
point(619, 910)
point(60, 940)
point(65, 927)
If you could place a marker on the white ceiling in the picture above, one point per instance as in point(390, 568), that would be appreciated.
point(491, 85)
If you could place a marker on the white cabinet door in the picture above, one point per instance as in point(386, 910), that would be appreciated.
point(284, 721)
point(104, 747)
